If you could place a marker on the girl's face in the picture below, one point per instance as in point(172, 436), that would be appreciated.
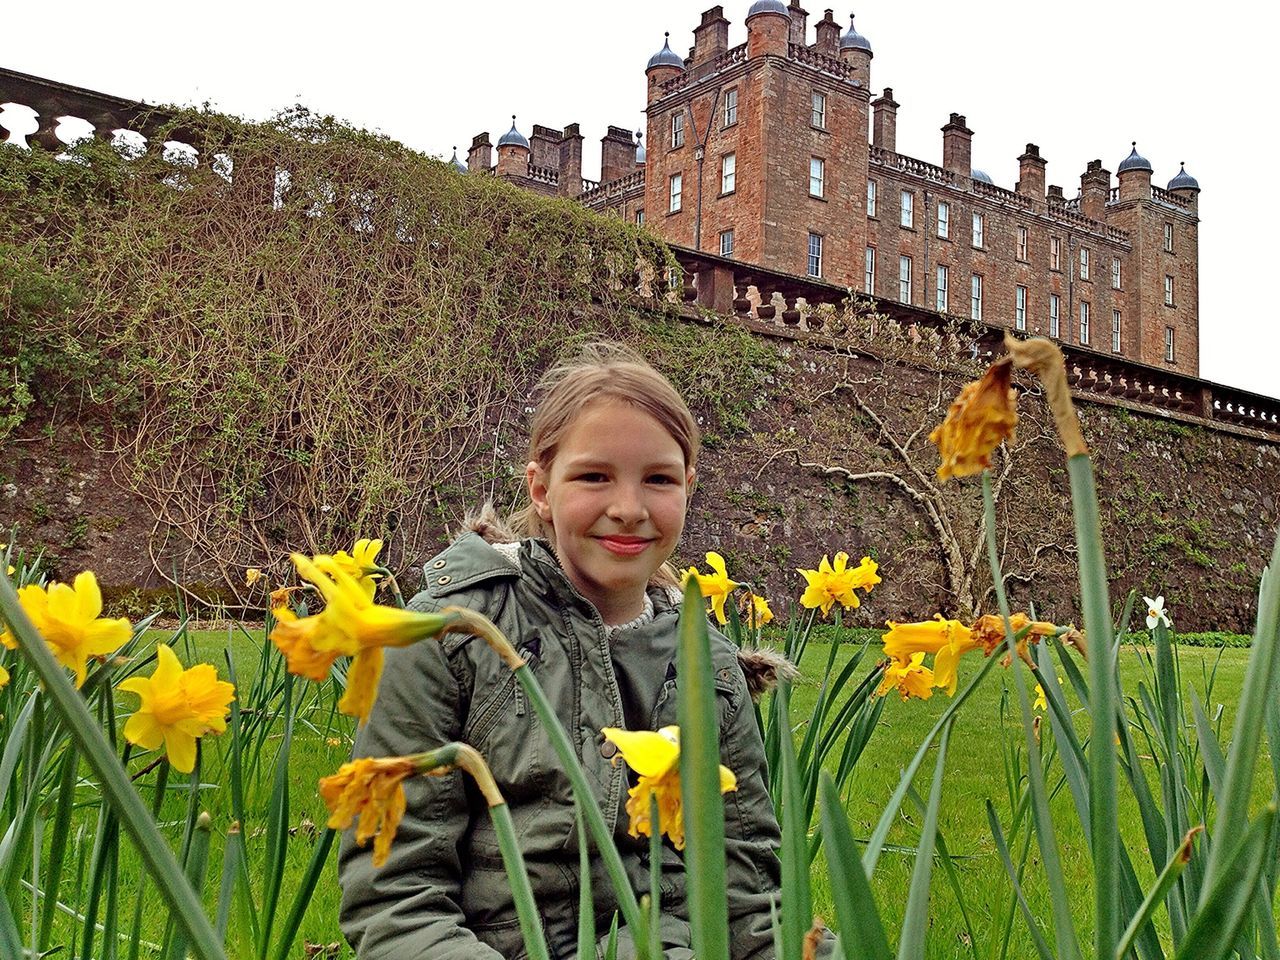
point(615, 495)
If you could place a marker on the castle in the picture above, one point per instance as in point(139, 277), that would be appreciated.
point(774, 153)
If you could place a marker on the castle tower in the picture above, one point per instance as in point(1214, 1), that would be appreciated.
point(513, 153)
point(855, 50)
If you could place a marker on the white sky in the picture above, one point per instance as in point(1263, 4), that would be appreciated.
point(1081, 80)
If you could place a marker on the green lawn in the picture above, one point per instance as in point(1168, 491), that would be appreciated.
point(976, 772)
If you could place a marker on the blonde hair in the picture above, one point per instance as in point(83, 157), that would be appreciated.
point(601, 373)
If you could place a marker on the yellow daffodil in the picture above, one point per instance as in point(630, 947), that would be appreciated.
point(252, 576)
point(979, 419)
point(4, 677)
point(1041, 702)
point(178, 707)
point(756, 611)
point(835, 583)
point(655, 757)
point(352, 625)
point(361, 564)
point(947, 640)
point(68, 619)
point(988, 633)
point(716, 586)
point(911, 678)
point(372, 789)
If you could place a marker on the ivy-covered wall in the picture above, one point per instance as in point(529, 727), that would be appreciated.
point(201, 373)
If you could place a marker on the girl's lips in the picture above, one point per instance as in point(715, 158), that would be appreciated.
point(624, 546)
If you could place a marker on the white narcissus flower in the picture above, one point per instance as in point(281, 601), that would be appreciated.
point(1155, 612)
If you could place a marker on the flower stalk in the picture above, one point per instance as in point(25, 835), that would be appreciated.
point(182, 901)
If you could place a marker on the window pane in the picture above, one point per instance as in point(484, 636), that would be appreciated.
point(908, 208)
point(977, 229)
point(815, 255)
point(940, 303)
point(869, 278)
point(730, 107)
point(1055, 321)
point(871, 198)
point(726, 243)
point(676, 187)
point(944, 220)
point(904, 279)
point(728, 172)
point(819, 110)
point(817, 172)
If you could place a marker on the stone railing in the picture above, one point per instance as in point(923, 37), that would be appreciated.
point(1113, 195)
point(544, 174)
point(1000, 195)
point(1170, 199)
point(589, 185)
point(910, 165)
point(58, 115)
point(730, 57)
point(1116, 235)
point(601, 192)
point(786, 304)
point(820, 61)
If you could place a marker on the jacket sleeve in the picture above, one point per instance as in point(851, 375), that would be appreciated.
point(752, 869)
point(409, 908)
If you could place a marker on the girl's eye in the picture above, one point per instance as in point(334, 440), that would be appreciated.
point(592, 477)
point(662, 478)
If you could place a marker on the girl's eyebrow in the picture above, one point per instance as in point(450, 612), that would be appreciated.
point(587, 462)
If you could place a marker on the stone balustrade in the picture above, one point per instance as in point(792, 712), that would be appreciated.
point(544, 174)
point(819, 61)
point(769, 299)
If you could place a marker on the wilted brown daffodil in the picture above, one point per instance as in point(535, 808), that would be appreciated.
point(979, 419)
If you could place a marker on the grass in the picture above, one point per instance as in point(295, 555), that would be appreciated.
point(976, 772)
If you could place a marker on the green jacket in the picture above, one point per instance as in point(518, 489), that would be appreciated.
point(443, 893)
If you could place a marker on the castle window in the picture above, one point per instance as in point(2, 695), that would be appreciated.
point(1020, 309)
point(904, 279)
point(1115, 273)
point(817, 176)
point(815, 255)
point(871, 198)
point(731, 106)
point(1115, 331)
point(677, 129)
point(819, 117)
point(728, 172)
point(1055, 316)
point(908, 208)
point(1168, 344)
point(1084, 322)
point(1022, 243)
point(640, 218)
point(940, 295)
point(975, 297)
point(1084, 263)
point(677, 186)
point(1168, 291)
point(1168, 238)
point(726, 243)
point(979, 222)
point(944, 220)
point(1055, 253)
point(869, 273)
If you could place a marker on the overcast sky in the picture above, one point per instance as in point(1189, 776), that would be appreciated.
point(1081, 80)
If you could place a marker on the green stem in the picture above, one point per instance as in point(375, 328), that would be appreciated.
point(1103, 803)
point(174, 889)
point(518, 877)
point(655, 878)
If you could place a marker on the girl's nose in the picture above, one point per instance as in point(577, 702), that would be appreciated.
point(628, 506)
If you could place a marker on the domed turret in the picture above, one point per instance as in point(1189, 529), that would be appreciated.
point(456, 163)
point(768, 6)
point(1134, 161)
point(982, 176)
point(853, 40)
point(513, 137)
point(640, 156)
point(666, 57)
point(1184, 180)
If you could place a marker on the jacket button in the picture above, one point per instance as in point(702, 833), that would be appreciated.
point(608, 749)
point(443, 580)
point(438, 564)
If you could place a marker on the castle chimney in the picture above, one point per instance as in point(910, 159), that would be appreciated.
point(957, 146)
point(571, 161)
point(1054, 194)
point(617, 154)
point(799, 23)
point(1031, 173)
point(711, 37)
point(768, 32)
point(1095, 185)
point(544, 147)
point(884, 122)
point(828, 35)
point(480, 156)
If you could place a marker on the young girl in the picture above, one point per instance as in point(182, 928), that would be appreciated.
point(589, 598)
